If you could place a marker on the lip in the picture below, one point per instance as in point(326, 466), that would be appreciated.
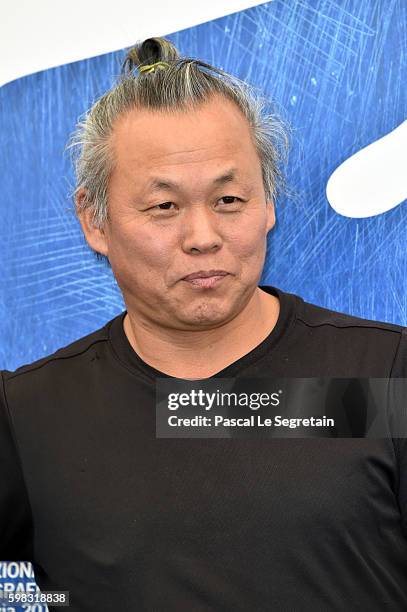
point(204, 274)
point(206, 283)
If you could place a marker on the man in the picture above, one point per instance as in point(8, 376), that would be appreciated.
point(124, 520)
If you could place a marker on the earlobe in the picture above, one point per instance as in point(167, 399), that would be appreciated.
point(271, 217)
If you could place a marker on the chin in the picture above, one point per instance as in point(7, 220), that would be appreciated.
point(206, 314)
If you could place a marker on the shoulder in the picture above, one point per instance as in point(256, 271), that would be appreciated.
point(347, 343)
point(60, 368)
point(66, 353)
point(317, 316)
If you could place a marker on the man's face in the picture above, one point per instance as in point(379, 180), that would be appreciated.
point(171, 214)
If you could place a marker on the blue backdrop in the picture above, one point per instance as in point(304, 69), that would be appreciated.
point(335, 70)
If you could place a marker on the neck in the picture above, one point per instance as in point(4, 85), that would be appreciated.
point(200, 354)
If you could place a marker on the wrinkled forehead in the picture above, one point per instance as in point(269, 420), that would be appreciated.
point(211, 138)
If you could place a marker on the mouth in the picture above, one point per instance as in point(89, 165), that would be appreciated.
point(206, 279)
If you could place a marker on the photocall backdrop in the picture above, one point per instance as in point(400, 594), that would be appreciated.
point(336, 72)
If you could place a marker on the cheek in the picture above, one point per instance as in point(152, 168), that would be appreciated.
point(139, 253)
point(248, 241)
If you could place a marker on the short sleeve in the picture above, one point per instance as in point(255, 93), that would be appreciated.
point(16, 530)
point(398, 385)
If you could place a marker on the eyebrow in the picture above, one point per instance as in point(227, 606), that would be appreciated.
point(157, 184)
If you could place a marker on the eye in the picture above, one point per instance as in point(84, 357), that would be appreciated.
point(229, 198)
point(230, 203)
point(164, 206)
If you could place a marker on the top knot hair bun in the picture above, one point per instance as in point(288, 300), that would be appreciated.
point(150, 51)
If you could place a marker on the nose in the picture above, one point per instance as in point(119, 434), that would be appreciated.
point(201, 231)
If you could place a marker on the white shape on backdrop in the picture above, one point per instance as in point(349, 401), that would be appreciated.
point(40, 34)
point(373, 180)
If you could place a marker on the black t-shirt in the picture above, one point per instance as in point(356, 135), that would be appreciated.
point(127, 521)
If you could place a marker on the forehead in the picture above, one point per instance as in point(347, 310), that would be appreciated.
point(213, 132)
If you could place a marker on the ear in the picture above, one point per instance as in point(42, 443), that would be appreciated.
point(95, 237)
point(271, 217)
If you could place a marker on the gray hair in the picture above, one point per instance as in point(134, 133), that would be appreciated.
point(179, 83)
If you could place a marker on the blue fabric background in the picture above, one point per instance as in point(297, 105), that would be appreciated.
point(336, 72)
